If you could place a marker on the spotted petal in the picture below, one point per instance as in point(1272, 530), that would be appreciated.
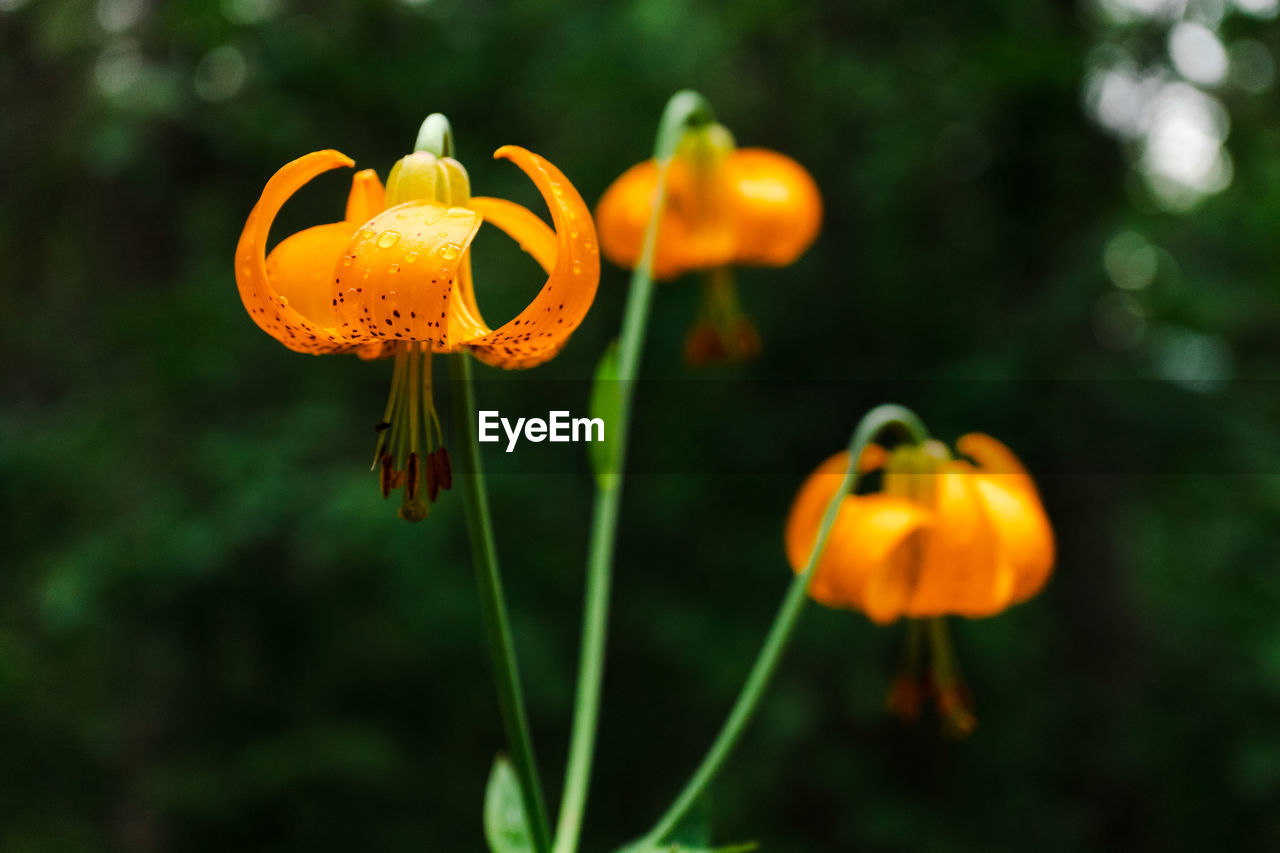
point(397, 277)
point(270, 309)
point(543, 327)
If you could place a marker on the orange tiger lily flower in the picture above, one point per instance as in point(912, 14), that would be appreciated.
point(393, 278)
point(943, 537)
point(724, 207)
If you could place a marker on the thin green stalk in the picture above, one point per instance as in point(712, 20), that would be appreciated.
point(871, 425)
point(685, 109)
point(493, 603)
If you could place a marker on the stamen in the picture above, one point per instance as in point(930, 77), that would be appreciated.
point(444, 470)
point(910, 686)
point(411, 477)
point(397, 379)
point(409, 447)
point(384, 475)
point(722, 332)
point(954, 703)
point(415, 375)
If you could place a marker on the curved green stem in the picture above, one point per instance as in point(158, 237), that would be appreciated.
point(493, 603)
point(872, 424)
point(685, 109)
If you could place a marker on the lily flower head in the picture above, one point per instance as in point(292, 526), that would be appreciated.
point(725, 207)
point(392, 279)
point(942, 537)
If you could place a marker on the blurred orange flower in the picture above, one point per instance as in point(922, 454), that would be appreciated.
point(724, 207)
point(942, 537)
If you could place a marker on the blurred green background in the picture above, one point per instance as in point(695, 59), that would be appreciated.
point(1051, 221)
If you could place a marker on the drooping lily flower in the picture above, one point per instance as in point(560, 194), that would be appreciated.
point(725, 207)
point(942, 537)
point(393, 279)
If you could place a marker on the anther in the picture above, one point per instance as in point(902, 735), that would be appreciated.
point(444, 471)
point(385, 475)
point(412, 479)
point(906, 698)
point(955, 708)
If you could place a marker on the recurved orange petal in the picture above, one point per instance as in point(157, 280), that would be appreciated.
point(1025, 537)
point(301, 267)
point(623, 215)
point(993, 457)
point(1013, 504)
point(270, 309)
point(522, 225)
point(778, 209)
point(543, 327)
point(960, 570)
point(867, 530)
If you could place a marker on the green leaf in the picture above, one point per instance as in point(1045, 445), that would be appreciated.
point(505, 825)
point(606, 404)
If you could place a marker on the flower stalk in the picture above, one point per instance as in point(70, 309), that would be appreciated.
point(875, 422)
point(493, 603)
point(685, 110)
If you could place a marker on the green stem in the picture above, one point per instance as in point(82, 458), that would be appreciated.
point(493, 603)
point(685, 109)
point(871, 425)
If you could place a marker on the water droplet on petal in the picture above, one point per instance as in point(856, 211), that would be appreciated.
point(577, 267)
point(388, 239)
point(284, 303)
point(449, 251)
point(410, 257)
point(393, 268)
point(366, 233)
